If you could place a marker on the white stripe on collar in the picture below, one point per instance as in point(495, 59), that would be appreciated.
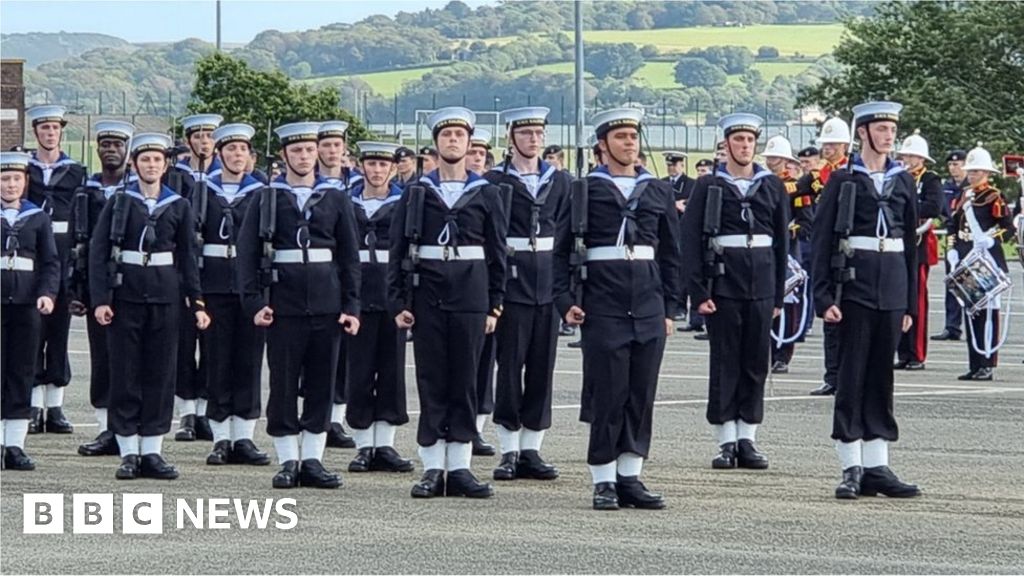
point(166, 200)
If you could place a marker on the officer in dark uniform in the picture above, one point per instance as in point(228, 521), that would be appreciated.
point(112, 140)
point(983, 204)
point(835, 145)
point(630, 289)
point(429, 157)
point(737, 272)
point(142, 264)
point(298, 267)
point(189, 390)
point(953, 188)
point(376, 364)
point(527, 336)
point(554, 155)
point(682, 185)
point(913, 347)
point(875, 303)
point(446, 280)
point(810, 159)
point(405, 166)
point(30, 279)
point(53, 179)
point(778, 157)
point(703, 167)
point(233, 346)
point(332, 166)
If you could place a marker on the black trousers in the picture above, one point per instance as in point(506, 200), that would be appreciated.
point(830, 336)
point(142, 346)
point(447, 347)
point(341, 378)
point(621, 360)
point(99, 362)
point(305, 346)
point(376, 372)
point(52, 364)
point(527, 338)
point(863, 405)
point(19, 340)
point(978, 322)
point(191, 381)
point(739, 335)
point(485, 375)
point(233, 352)
point(954, 312)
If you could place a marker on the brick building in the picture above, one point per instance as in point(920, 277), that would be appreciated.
point(12, 103)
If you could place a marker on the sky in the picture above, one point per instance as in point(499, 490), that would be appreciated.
point(167, 21)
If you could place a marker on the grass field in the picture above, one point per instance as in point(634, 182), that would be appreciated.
point(809, 39)
point(661, 75)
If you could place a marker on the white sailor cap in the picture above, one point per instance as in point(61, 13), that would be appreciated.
point(200, 122)
point(605, 122)
point(779, 147)
point(229, 133)
point(46, 113)
point(332, 129)
point(151, 141)
point(14, 161)
point(297, 132)
point(869, 112)
point(377, 151)
point(114, 129)
point(452, 116)
point(528, 116)
point(740, 122)
point(674, 156)
point(481, 137)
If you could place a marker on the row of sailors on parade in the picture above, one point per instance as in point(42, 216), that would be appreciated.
point(256, 286)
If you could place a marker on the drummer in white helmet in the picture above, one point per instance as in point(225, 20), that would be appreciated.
point(913, 347)
point(778, 157)
point(996, 226)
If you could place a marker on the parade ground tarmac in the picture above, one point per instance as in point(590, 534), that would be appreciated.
point(962, 442)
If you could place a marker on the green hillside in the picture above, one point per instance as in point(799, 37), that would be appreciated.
point(809, 40)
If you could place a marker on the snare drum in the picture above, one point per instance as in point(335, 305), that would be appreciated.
point(796, 276)
point(977, 281)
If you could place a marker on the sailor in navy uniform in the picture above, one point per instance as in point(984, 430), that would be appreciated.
point(233, 345)
point(112, 140)
point(629, 296)
point(332, 166)
point(476, 162)
point(306, 292)
point(142, 265)
point(451, 288)
point(742, 289)
point(876, 304)
point(53, 179)
point(190, 387)
point(30, 277)
point(982, 203)
point(703, 167)
point(479, 148)
point(527, 336)
point(376, 369)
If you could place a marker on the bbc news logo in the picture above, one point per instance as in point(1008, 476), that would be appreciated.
point(144, 514)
